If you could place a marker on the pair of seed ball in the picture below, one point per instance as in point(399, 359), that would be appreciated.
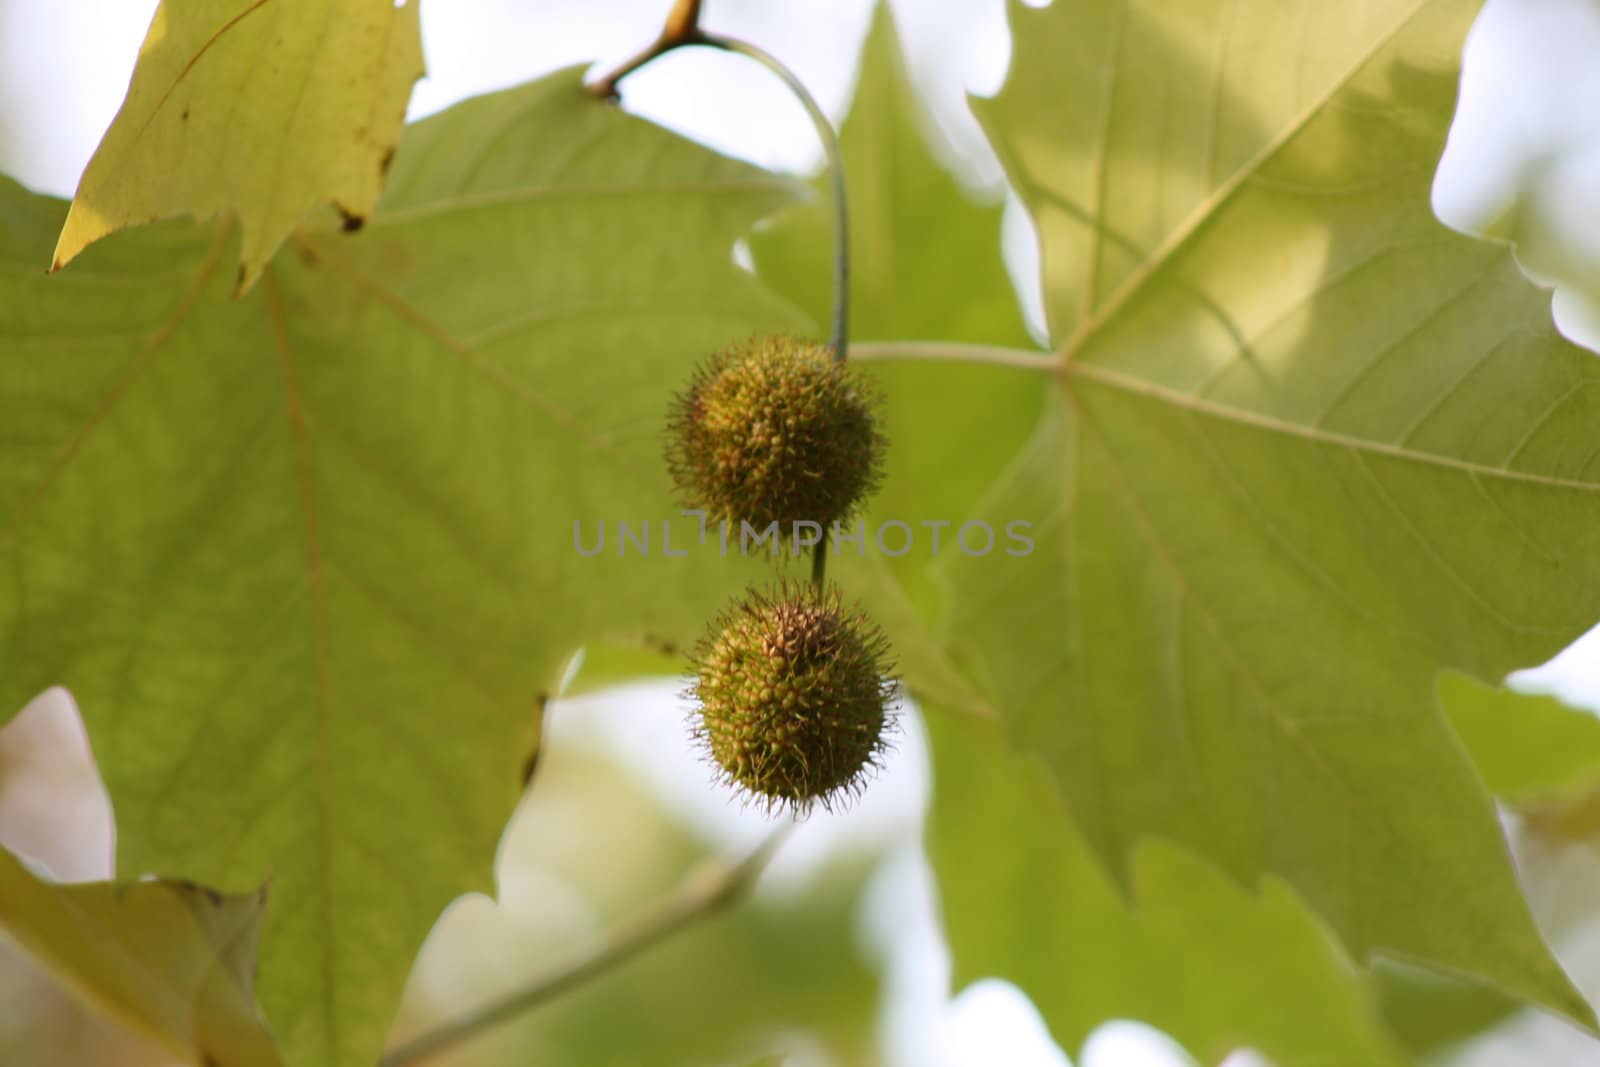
point(793, 689)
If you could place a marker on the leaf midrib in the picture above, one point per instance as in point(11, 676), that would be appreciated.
point(1314, 434)
point(316, 580)
point(1108, 313)
point(1039, 362)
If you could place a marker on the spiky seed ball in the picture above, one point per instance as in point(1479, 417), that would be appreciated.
point(776, 430)
point(794, 696)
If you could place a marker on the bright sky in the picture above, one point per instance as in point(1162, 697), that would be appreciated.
point(64, 67)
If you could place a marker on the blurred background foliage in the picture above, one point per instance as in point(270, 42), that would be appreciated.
point(589, 850)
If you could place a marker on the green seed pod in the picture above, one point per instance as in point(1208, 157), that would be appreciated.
point(776, 430)
point(794, 699)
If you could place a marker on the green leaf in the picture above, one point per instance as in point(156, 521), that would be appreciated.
point(1532, 750)
point(1083, 953)
point(1227, 634)
point(171, 960)
point(1192, 953)
point(264, 111)
point(1301, 447)
point(1080, 951)
point(306, 558)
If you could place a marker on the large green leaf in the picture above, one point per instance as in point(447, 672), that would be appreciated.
point(259, 110)
point(307, 558)
point(1206, 961)
point(1302, 446)
point(171, 960)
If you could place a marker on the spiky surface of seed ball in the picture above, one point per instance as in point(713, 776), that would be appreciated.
point(776, 430)
point(794, 697)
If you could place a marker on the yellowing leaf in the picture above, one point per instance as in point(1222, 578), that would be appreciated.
point(259, 109)
point(171, 960)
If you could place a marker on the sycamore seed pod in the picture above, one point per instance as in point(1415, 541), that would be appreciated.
point(776, 430)
point(794, 702)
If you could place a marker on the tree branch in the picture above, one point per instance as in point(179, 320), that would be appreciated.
point(684, 21)
point(682, 28)
point(705, 891)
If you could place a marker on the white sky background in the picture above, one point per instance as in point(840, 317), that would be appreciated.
point(64, 66)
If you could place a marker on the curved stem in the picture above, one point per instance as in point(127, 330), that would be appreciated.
point(830, 147)
point(704, 892)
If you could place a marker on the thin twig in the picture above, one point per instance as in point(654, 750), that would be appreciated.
point(830, 147)
point(684, 22)
point(706, 891)
point(682, 28)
